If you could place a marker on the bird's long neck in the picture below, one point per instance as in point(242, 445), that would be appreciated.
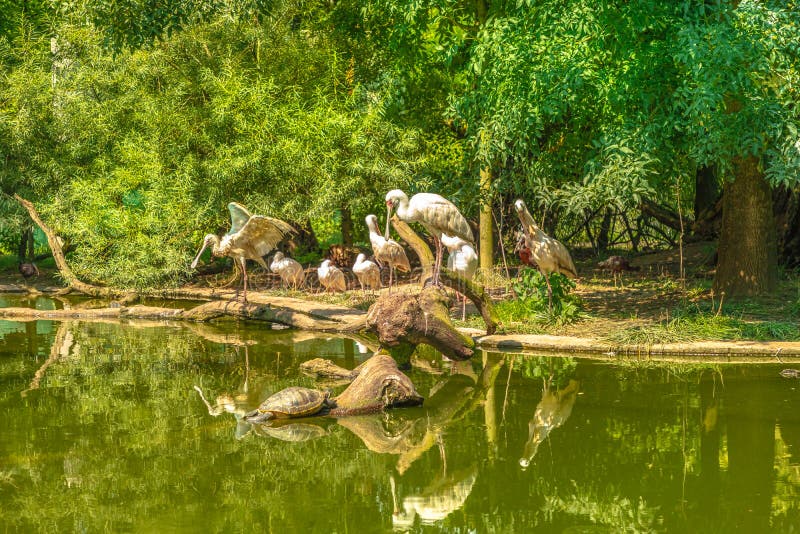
point(402, 208)
point(373, 228)
point(216, 247)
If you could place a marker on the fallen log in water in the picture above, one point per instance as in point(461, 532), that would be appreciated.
point(297, 318)
point(378, 385)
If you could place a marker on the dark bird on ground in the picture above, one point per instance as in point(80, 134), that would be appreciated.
point(617, 264)
point(548, 253)
point(28, 270)
point(250, 238)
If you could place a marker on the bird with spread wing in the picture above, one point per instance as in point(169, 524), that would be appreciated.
point(250, 238)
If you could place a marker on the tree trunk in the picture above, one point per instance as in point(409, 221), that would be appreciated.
point(605, 229)
point(747, 247)
point(486, 240)
point(347, 227)
point(707, 208)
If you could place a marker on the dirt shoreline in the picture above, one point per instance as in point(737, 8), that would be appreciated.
point(332, 318)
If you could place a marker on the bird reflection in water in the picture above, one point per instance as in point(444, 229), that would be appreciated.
point(236, 403)
point(444, 495)
point(551, 412)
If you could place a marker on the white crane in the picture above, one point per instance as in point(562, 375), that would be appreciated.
point(289, 269)
point(367, 272)
point(462, 260)
point(435, 213)
point(386, 250)
point(548, 253)
point(331, 277)
point(250, 238)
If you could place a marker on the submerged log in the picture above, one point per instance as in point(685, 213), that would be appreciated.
point(379, 385)
point(404, 320)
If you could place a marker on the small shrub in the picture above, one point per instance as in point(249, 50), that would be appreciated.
point(532, 301)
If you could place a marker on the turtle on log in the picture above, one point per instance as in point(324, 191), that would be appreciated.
point(289, 403)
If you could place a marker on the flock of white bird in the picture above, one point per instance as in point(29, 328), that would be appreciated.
point(253, 236)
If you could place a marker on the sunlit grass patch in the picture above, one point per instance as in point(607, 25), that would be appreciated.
point(705, 326)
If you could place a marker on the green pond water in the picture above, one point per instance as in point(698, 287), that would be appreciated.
point(102, 429)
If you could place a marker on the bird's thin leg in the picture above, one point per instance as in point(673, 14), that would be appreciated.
point(391, 272)
point(464, 308)
point(438, 263)
point(244, 277)
point(549, 293)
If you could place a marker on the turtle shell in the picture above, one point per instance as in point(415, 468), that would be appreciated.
point(289, 402)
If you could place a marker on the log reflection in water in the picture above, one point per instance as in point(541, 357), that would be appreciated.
point(551, 412)
point(61, 348)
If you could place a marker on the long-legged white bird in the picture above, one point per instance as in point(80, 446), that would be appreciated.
point(250, 238)
point(462, 260)
point(548, 253)
point(289, 269)
point(331, 277)
point(434, 212)
point(367, 272)
point(386, 250)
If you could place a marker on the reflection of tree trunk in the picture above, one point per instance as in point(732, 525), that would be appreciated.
point(492, 363)
point(747, 249)
point(751, 452)
point(62, 343)
point(709, 444)
point(30, 336)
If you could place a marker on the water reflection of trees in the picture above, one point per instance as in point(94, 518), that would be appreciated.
point(116, 428)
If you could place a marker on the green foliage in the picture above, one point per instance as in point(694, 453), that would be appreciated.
point(531, 290)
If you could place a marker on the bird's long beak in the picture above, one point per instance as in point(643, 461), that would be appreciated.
point(388, 218)
point(197, 258)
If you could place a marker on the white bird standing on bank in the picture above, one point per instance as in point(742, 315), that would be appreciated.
point(331, 277)
point(434, 212)
point(367, 272)
point(548, 253)
point(250, 238)
point(462, 260)
point(386, 250)
point(289, 269)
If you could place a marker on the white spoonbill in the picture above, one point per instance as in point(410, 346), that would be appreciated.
point(386, 250)
point(289, 269)
point(462, 260)
point(367, 272)
point(331, 277)
point(434, 212)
